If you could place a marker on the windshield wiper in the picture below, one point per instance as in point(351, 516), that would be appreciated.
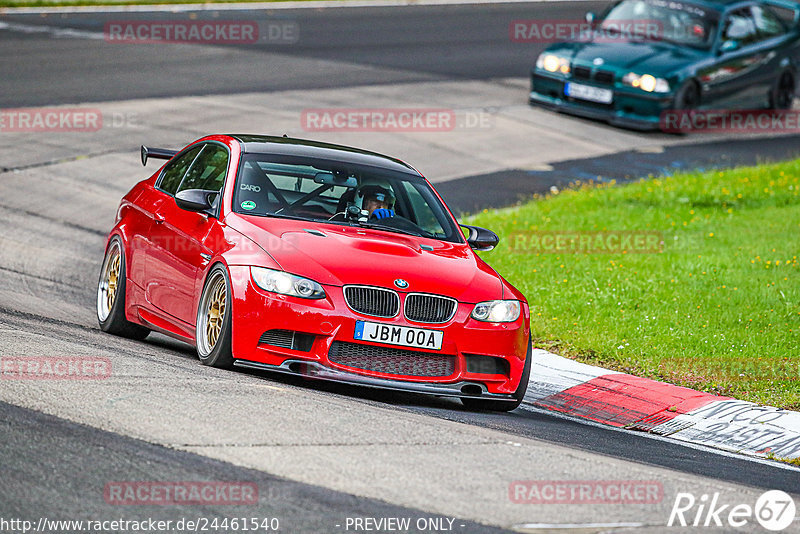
point(390, 229)
point(284, 216)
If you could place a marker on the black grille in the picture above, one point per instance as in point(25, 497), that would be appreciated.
point(604, 76)
point(372, 300)
point(392, 361)
point(429, 308)
point(288, 339)
point(581, 73)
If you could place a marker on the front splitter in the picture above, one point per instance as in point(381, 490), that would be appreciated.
point(316, 371)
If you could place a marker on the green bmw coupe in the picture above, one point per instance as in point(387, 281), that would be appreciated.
point(642, 58)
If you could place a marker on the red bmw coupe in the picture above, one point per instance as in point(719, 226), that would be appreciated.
point(308, 258)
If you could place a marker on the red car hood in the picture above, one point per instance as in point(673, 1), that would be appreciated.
point(352, 255)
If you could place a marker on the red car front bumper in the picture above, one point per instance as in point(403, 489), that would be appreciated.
point(316, 338)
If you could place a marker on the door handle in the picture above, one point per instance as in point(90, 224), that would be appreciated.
point(159, 219)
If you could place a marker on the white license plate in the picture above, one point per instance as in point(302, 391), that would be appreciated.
point(405, 336)
point(587, 92)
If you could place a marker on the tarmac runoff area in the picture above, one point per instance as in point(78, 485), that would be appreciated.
point(461, 128)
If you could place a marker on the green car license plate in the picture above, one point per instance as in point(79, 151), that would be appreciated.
point(588, 92)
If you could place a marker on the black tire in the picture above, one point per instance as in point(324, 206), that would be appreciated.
point(782, 94)
point(111, 295)
point(213, 327)
point(686, 100)
point(687, 97)
point(487, 405)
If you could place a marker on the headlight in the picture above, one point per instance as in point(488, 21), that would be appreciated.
point(286, 284)
point(646, 82)
point(553, 63)
point(496, 311)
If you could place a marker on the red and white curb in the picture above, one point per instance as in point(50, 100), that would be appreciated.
point(621, 400)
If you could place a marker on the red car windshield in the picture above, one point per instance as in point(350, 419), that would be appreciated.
point(323, 191)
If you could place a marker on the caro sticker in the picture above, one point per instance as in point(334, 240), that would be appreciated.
point(248, 205)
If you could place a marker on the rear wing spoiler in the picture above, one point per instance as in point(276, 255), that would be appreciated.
point(157, 153)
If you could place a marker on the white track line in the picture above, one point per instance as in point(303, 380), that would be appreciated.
point(55, 31)
point(558, 526)
point(311, 4)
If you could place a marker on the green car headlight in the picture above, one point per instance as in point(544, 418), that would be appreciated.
point(646, 82)
point(553, 63)
point(286, 284)
point(497, 311)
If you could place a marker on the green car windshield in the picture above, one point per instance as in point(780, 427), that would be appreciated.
point(675, 22)
point(321, 191)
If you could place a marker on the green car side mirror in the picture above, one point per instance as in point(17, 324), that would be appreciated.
point(728, 46)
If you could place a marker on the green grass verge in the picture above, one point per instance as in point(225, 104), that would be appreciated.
point(718, 309)
point(790, 461)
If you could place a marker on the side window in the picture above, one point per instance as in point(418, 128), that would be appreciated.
point(784, 14)
point(208, 170)
point(422, 213)
point(739, 26)
point(767, 24)
point(173, 173)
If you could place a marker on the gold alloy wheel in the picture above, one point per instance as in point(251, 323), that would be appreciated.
point(215, 313)
point(109, 282)
point(212, 318)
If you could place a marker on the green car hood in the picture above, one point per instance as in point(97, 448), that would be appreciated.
point(643, 57)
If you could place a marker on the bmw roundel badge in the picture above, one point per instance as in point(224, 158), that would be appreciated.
point(402, 284)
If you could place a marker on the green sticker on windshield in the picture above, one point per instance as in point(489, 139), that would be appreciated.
point(248, 205)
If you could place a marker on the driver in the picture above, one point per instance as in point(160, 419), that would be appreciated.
point(377, 200)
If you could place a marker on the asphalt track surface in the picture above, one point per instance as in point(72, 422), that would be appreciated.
point(46, 482)
point(52, 466)
point(423, 43)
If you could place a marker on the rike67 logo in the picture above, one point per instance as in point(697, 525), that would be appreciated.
point(774, 511)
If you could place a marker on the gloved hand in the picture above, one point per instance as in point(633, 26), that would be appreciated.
point(382, 213)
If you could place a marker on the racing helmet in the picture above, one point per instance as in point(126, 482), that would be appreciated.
point(377, 189)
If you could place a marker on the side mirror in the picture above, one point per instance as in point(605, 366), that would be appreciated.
point(590, 17)
point(728, 46)
point(480, 239)
point(194, 199)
